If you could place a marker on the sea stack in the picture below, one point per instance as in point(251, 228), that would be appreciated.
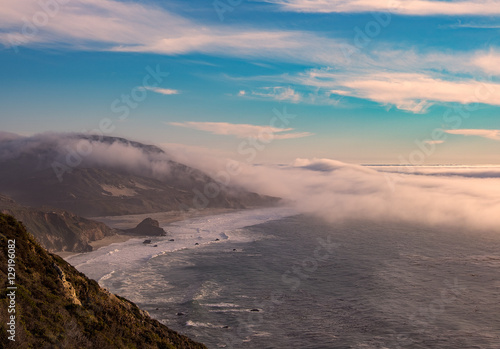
point(148, 227)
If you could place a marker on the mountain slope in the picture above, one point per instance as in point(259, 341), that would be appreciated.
point(58, 307)
point(55, 229)
point(113, 176)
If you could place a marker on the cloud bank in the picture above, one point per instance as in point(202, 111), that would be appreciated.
point(336, 191)
point(459, 197)
point(64, 152)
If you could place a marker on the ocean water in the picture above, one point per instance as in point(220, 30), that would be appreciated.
point(295, 282)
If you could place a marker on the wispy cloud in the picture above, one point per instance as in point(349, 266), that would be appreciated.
point(279, 93)
point(111, 25)
point(403, 7)
point(135, 27)
point(488, 62)
point(407, 91)
point(490, 134)
point(473, 25)
point(163, 91)
point(242, 130)
point(434, 142)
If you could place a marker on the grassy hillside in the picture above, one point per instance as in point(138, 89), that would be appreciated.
point(59, 307)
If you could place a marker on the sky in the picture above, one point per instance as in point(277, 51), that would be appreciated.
point(269, 81)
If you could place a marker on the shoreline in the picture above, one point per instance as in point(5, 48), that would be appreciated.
point(131, 221)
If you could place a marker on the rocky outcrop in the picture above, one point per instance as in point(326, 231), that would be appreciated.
point(59, 307)
point(148, 227)
point(57, 230)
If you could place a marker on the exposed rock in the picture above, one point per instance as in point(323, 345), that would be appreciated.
point(68, 287)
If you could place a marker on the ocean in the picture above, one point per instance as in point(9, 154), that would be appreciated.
point(270, 278)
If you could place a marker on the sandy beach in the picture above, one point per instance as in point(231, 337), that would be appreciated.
point(131, 221)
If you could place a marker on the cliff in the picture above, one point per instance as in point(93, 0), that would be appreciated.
point(55, 229)
point(58, 307)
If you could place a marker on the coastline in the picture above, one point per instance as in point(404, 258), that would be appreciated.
point(205, 228)
point(131, 221)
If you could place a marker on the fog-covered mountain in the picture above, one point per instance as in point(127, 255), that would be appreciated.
point(97, 176)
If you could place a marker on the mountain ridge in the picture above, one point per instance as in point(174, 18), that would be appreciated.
point(114, 176)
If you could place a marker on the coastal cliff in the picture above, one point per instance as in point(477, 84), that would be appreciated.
point(58, 307)
point(55, 229)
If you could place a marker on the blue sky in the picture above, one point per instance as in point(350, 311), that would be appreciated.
point(368, 81)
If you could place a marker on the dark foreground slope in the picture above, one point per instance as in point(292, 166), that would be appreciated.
point(58, 307)
point(57, 230)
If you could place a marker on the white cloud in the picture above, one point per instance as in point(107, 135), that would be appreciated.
point(413, 92)
point(490, 134)
point(133, 27)
point(279, 93)
point(337, 191)
point(163, 91)
point(473, 25)
point(242, 130)
point(403, 7)
point(488, 62)
point(434, 142)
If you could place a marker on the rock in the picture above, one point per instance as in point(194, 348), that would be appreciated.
point(180, 314)
point(196, 244)
point(255, 310)
point(149, 227)
point(217, 239)
point(146, 241)
point(171, 240)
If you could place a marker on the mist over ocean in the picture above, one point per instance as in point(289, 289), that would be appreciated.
point(296, 282)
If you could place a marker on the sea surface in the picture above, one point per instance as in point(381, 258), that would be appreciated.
point(273, 279)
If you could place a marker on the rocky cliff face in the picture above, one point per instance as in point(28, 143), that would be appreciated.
point(57, 230)
point(58, 307)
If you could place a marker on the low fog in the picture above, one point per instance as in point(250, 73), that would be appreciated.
point(443, 196)
point(63, 152)
point(453, 196)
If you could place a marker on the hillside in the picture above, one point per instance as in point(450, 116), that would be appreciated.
point(55, 229)
point(114, 177)
point(58, 307)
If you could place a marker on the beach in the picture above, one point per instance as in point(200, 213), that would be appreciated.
point(131, 221)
